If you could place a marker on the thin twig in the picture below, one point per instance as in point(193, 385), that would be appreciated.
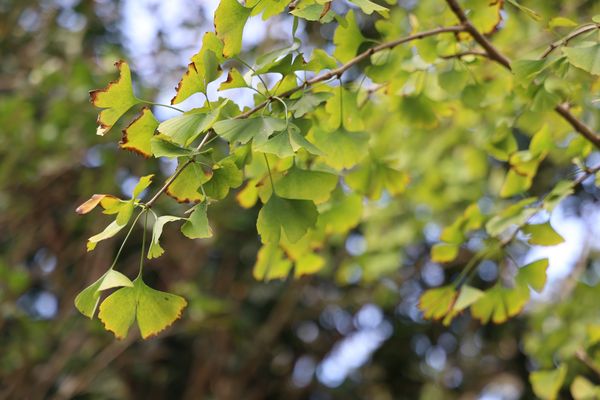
point(564, 41)
point(319, 78)
point(495, 55)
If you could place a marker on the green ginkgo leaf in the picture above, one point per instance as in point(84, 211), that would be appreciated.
point(185, 188)
point(142, 185)
point(293, 217)
point(368, 7)
point(162, 146)
point(436, 303)
point(547, 384)
point(234, 80)
point(586, 57)
point(196, 226)
point(203, 68)
point(244, 130)
point(542, 234)
point(347, 38)
point(87, 300)
point(533, 274)
point(137, 136)
point(155, 249)
point(342, 149)
point(153, 309)
point(186, 128)
point(230, 18)
point(271, 263)
point(115, 99)
point(110, 231)
point(225, 175)
point(302, 184)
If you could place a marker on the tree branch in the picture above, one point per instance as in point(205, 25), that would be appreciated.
point(569, 37)
point(319, 78)
point(495, 55)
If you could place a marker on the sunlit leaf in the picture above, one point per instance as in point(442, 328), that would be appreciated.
point(542, 234)
point(301, 184)
point(586, 57)
point(115, 99)
point(137, 136)
point(547, 384)
point(347, 38)
point(230, 18)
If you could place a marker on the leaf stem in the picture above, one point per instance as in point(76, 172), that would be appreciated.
point(160, 105)
point(270, 176)
point(125, 239)
point(143, 246)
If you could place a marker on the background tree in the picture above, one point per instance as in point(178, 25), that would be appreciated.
point(388, 155)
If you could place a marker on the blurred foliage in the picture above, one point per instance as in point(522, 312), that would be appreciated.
point(353, 330)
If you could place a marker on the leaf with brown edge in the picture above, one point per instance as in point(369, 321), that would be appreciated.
point(234, 80)
point(92, 202)
point(436, 303)
point(185, 188)
point(115, 99)
point(230, 18)
point(137, 136)
point(203, 69)
point(153, 309)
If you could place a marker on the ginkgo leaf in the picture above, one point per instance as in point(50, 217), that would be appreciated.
point(436, 303)
point(230, 18)
point(268, 8)
point(196, 226)
point(302, 184)
point(186, 128)
point(137, 136)
point(320, 11)
point(373, 177)
point(203, 68)
point(271, 263)
point(533, 274)
point(110, 231)
point(87, 300)
point(515, 214)
point(142, 185)
point(320, 60)
point(225, 175)
point(234, 80)
point(244, 130)
point(153, 309)
point(500, 303)
point(156, 310)
point(586, 57)
point(293, 217)
point(343, 149)
point(286, 143)
point(542, 234)
point(558, 194)
point(161, 146)
point(155, 249)
point(93, 201)
point(347, 38)
point(341, 213)
point(466, 297)
point(115, 99)
point(444, 252)
point(185, 188)
point(308, 102)
point(546, 384)
point(368, 7)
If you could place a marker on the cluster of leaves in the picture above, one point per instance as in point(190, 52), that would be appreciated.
point(326, 157)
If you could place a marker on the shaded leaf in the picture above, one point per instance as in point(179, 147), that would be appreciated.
point(155, 249)
point(302, 184)
point(196, 226)
point(294, 217)
point(347, 38)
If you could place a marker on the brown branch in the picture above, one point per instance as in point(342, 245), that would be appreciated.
point(466, 53)
point(583, 129)
point(495, 55)
point(569, 37)
point(585, 359)
point(319, 78)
